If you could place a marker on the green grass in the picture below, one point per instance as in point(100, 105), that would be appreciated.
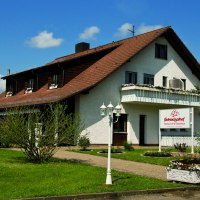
point(136, 155)
point(20, 179)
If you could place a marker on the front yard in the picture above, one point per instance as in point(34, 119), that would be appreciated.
point(135, 155)
point(20, 178)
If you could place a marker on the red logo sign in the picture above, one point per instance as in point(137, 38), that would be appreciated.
point(174, 117)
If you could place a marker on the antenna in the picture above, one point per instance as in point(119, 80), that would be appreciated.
point(132, 31)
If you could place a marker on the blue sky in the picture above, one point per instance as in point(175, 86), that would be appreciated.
point(34, 32)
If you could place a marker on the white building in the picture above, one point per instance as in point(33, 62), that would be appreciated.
point(143, 74)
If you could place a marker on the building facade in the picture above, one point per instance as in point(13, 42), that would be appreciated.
point(143, 74)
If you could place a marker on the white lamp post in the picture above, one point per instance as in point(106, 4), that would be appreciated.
point(109, 111)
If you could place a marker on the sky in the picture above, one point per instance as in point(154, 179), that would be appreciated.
point(35, 32)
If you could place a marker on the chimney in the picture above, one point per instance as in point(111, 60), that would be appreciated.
point(82, 46)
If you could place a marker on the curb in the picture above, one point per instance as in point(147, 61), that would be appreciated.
point(105, 195)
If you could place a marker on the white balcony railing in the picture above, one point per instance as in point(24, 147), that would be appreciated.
point(151, 94)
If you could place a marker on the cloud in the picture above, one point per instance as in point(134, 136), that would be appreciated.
point(89, 33)
point(44, 39)
point(2, 84)
point(146, 28)
point(124, 30)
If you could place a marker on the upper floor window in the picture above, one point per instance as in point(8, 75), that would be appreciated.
point(149, 79)
point(184, 83)
point(29, 85)
point(130, 77)
point(9, 90)
point(53, 81)
point(161, 51)
point(164, 81)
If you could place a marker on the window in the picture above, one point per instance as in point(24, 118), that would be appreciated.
point(130, 77)
point(10, 87)
point(161, 51)
point(164, 81)
point(30, 83)
point(149, 79)
point(53, 81)
point(121, 125)
point(184, 83)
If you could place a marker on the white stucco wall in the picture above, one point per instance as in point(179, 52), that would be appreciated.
point(88, 105)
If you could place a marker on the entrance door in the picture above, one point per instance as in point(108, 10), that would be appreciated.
point(120, 130)
point(142, 129)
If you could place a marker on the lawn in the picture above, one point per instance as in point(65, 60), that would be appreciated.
point(136, 155)
point(20, 178)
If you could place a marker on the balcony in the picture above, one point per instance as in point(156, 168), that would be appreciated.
point(159, 95)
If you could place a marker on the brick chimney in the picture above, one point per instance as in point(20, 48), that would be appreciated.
point(82, 46)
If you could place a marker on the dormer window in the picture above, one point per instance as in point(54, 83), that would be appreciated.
point(53, 81)
point(29, 86)
point(9, 92)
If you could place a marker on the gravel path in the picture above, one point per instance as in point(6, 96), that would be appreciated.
point(144, 169)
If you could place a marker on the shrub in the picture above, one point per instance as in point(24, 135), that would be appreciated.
point(128, 146)
point(113, 150)
point(38, 133)
point(180, 147)
point(157, 154)
point(84, 142)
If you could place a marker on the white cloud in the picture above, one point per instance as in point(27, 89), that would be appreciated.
point(2, 84)
point(124, 30)
point(146, 28)
point(44, 40)
point(89, 33)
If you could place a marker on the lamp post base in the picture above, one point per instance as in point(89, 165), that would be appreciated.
point(108, 179)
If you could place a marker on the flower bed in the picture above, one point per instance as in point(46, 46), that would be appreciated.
point(184, 171)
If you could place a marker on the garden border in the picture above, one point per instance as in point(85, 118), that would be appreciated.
point(114, 194)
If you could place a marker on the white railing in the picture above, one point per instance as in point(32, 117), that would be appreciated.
point(170, 141)
point(154, 95)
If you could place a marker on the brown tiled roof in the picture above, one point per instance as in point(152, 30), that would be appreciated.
point(122, 51)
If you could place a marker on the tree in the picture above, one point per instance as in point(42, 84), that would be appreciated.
point(39, 133)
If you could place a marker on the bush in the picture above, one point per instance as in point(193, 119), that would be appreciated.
point(113, 150)
point(128, 146)
point(157, 154)
point(84, 142)
point(180, 147)
point(38, 133)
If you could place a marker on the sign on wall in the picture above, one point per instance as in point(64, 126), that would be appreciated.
point(175, 118)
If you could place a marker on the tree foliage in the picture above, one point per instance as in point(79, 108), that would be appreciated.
point(39, 133)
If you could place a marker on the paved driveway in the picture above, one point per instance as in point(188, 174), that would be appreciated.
point(144, 169)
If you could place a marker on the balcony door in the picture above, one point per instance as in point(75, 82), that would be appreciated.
point(142, 123)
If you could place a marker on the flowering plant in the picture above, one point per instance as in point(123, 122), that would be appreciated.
point(183, 166)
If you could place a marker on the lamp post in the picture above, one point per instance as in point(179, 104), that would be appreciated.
point(109, 111)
